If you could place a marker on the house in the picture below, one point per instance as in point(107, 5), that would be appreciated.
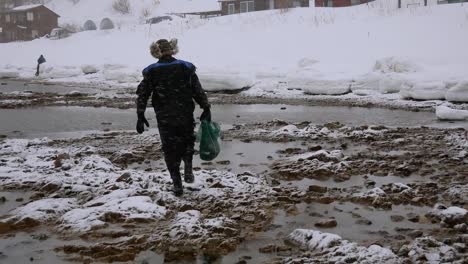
point(229, 7)
point(26, 23)
point(340, 3)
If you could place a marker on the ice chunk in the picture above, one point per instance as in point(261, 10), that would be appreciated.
point(458, 93)
point(390, 84)
point(424, 91)
point(396, 65)
point(89, 69)
point(445, 113)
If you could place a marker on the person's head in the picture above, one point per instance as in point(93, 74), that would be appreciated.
point(163, 47)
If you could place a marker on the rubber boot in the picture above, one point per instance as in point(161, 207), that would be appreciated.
point(188, 172)
point(177, 181)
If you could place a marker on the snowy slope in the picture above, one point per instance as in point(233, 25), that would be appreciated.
point(96, 10)
point(368, 47)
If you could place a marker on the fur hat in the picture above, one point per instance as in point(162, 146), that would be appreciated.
point(163, 47)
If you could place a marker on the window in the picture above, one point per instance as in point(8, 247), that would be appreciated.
point(330, 3)
point(247, 6)
point(231, 9)
point(297, 4)
point(35, 34)
point(7, 18)
point(30, 16)
point(1, 30)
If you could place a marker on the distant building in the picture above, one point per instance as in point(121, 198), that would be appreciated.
point(229, 7)
point(340, 3)
point(26, 23)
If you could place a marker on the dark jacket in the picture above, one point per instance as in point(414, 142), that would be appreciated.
point(174, 85)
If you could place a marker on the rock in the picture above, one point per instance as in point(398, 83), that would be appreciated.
point(60, 158)
point(283, 108)
point(413, 217)
point(460, 247)
point(126, 177)
point(397, 218)
point(461, 227)
point(50, 188)
point(40, 237)
point(416, 234)
point(217, 185)
point(249, 218)
point(224, 162)
point(19, 200)
point(3, 199)
point(363, 222)
point(112, 217)
point(317, 189)
point(315, 148)
point(327, 223)
point(417, 200)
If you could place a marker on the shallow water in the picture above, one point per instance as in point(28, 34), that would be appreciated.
point(66, 121)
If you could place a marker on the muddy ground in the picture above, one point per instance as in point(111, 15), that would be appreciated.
point(373, 185)
point(431, 162)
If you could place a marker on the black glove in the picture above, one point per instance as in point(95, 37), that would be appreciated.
point(206, 115)
point(141, 122)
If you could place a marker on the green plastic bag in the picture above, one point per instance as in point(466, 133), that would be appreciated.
point(208, 135)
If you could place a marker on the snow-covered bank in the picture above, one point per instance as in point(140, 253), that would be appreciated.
point(360, 49)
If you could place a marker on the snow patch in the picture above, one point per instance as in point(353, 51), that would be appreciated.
point(446, 113)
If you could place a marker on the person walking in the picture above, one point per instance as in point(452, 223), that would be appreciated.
point(40, 61)
point(174, 86)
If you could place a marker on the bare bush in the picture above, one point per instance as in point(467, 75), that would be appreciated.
point(145, 12)
point(122, 6)
point(71, 27)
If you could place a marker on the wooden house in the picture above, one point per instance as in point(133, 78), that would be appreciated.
point(229, 7)
point(27, 22)
point(339, 3)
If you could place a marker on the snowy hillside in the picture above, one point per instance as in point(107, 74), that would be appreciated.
point(83, 10)
point(419, 52)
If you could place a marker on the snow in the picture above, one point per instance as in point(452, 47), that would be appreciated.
point(432, 250)
point(458, 93)
point(435, 90)
point(315, 87)
point(331, 248)
point(450, 212)
point(25, 7)
point(446, 113)
point(372, 193)
point(369, 49)
point(390, 84)
point(313, 239)
point(44, 210)
point(99, 194)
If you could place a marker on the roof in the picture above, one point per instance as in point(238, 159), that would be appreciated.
point(27, 8)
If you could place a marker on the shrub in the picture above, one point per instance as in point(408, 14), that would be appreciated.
point(122, 6)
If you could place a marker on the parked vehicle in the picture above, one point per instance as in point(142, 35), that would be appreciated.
point(59, 33)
